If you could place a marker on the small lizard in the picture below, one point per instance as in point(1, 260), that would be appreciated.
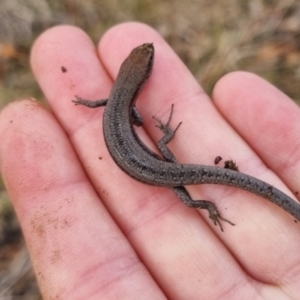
point(139, 162)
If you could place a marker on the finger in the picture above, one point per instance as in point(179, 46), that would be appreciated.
point(269, 121)
point(266, 118)
point(76, 248)
point(162, 230)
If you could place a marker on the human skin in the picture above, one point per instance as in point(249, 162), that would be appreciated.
point(95, 233)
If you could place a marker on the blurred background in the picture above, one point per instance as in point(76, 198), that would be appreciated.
point(211, 37)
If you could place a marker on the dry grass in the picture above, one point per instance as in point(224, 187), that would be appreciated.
point(211, 37)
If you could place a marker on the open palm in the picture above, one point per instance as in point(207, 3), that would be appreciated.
point(95, 233)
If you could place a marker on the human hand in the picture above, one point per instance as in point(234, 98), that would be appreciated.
point(93, 232)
